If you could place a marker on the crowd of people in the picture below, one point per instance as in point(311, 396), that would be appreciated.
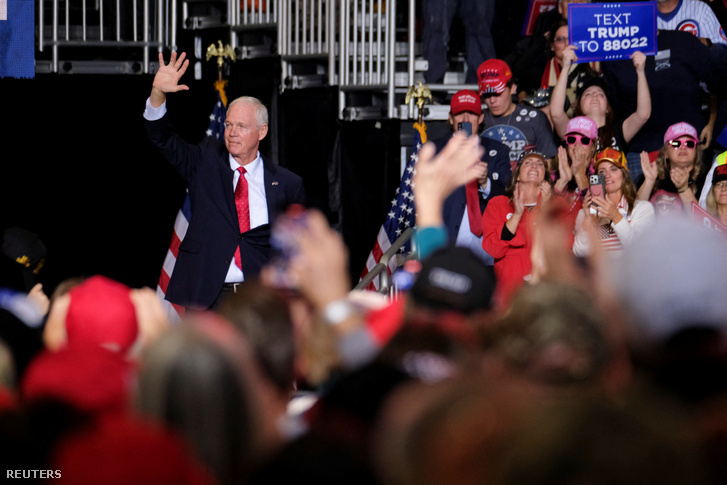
point(596, 370)
point(561, 320)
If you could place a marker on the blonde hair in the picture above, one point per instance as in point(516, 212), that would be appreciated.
point(711, 201)
point(663, 164)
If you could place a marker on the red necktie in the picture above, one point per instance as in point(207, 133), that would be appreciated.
point(473, 207)
point(243, 210)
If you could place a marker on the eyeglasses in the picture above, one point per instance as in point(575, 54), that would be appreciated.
point(572, 139)
point(561, 40)
point(687, 143)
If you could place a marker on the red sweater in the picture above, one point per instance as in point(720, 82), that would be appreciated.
point(512, 257)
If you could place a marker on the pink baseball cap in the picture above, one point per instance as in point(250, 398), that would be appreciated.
point(466, 100)
point(582, 125)
point(680, 129)
point(492, 76)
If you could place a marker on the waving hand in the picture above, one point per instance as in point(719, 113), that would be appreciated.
point(167, 78)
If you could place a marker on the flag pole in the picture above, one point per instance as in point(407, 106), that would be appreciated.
point(402, 215)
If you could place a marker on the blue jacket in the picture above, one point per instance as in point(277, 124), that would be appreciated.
point(213, 233)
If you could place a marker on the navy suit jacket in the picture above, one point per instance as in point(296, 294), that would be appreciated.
point(499, 171)
point(213, 233)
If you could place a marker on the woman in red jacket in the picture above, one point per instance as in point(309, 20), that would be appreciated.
point(508, 220)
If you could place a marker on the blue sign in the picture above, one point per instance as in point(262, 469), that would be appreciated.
point(611, 31)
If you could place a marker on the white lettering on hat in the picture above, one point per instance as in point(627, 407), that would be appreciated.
point(449, 280)
point(683, 129)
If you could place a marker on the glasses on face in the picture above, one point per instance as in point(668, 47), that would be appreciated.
point(687, 143)
point(561, 40)
point(720, 185)
point(572, 139)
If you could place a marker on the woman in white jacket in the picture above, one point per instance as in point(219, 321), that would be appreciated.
point(616, 218)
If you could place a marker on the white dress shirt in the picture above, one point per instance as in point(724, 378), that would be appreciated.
point(255, 176)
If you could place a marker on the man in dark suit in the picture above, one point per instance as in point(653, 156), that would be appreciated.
point(235, 195)
point(461, 222)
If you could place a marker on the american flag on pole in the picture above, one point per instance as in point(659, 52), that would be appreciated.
point(401, 215)
point(217, 129)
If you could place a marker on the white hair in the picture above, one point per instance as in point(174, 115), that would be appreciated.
point(261, 112)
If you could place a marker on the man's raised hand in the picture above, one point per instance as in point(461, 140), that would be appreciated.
point(167, 78)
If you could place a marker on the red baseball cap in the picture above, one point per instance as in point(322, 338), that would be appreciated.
point(465, 100)
point(493, 75)
point(101, 313)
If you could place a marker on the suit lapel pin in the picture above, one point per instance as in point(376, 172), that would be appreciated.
point(275, 182)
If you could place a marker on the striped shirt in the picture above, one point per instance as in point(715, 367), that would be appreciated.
point(606, 232)
point(693, 16)
point(614, 237)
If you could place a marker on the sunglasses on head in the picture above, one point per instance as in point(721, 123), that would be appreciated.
point(687, 143)
point(572, 139)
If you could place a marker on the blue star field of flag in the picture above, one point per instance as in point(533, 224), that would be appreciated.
point(402, 214)
point(217, 119)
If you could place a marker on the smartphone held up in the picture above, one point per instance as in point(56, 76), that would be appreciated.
point(597, 187)
point(465, 126)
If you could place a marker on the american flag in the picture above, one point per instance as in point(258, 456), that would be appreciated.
point(401, 214)
point(217, 129)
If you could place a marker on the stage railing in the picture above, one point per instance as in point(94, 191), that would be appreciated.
point(351, 44)
point(137, 26)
